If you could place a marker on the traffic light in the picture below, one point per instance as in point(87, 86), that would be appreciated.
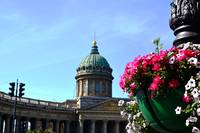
point(21, 89)
point(12, 89)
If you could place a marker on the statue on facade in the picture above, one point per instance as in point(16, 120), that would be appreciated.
point(185, 17)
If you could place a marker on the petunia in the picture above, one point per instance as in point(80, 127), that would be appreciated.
point(187, 123)
point(187, 87)
point(133, 86)
point(153, 86)
point(173, 83)
point(130, 117)
point(172, 60)
point(123, 113)
point(178, 110)
point(186, 98)
point(192, 119)
point(198, 65)
point(122, 82)
point(132, 102)
point(193, 60)
point(158, 80)
point(195, 93)
point(195, 130)
point(121, 103)
point(156, 67)
point(198, 111)
point(129, 128)
point(192, 82)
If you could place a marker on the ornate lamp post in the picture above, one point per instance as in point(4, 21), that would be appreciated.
point(185, 21)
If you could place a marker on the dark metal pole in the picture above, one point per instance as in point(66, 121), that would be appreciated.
point(14, 112)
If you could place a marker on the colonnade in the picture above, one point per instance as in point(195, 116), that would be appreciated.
point(60, 126)
point(24, 124)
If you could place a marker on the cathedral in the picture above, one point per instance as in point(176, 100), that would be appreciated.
point(94, 110)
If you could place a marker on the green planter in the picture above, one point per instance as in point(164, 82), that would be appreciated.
point(160, 111)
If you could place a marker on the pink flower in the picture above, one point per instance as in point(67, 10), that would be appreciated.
point(122, 82)
point(156, 67)
point(181, 55)
point(158, 80)
point(186, 99)
point(190, 53)
point(130, 94)
point(173, 83)
point(153, 86)
point(133, 86)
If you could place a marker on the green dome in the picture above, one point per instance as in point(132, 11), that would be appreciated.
point(94, 59)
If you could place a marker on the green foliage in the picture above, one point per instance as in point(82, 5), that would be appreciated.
point(159, 45)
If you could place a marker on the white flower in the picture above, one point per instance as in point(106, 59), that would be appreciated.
point(130, 117)
point(138, 114)
point(172, 60)
point(198, 111)
point(178, 110)
point(121, 103)
point(192, 119)
point(123, 113)
point(195, 93)
point(198, 65)
point(195, 130)
point(187, 123)
point(129, 128)
point(134, 117)
point(133, 102)
point(192, 82)
point(187, 86)
point(185, 94)
point(198, 75)
point(144, 125)
point(193, 60)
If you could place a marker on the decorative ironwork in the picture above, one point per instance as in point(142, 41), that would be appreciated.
point(185, 20)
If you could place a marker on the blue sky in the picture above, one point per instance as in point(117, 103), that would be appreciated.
point(42, 42)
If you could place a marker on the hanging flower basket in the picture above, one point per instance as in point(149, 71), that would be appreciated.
point(157, 81)
point(159, 112)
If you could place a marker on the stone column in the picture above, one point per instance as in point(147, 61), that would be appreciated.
point(36, 125)
point(93, 126)
point(46, 124)
point(67, 126)
point(81, 123)
point(116, 126)
point(1, 120)
point(18, 125)
point(57, 126)
point(26, 124)
point(7, 124)
point(105, 126)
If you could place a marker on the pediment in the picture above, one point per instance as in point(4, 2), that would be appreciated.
point(108, 105)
